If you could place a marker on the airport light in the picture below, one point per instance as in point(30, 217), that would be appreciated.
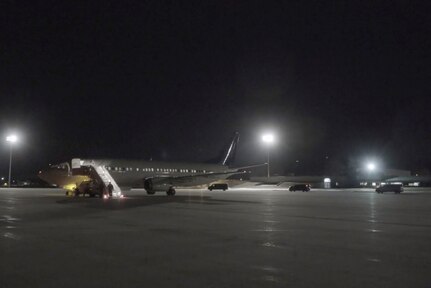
point(268, 139)
point(12, 139)
point(371, 167)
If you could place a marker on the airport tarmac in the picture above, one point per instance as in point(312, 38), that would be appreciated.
point(261, 237)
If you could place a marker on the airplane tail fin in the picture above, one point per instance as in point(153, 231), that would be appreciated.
point(229, 157)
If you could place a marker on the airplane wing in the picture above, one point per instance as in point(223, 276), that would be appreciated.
point(248, 167)
point(160, 182)
point(193, 179)
point(212, 174)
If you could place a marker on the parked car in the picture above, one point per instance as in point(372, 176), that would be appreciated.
point(300, 187)
point(218, 186)
point(397, 188)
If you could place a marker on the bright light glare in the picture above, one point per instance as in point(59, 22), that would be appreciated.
point(268, 138)
point(371, 166)
point(12, 138)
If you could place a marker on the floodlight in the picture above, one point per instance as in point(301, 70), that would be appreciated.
point(268, 138)
point(371, 166)
point(12, 138)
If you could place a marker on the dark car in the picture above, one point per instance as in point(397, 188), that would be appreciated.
point(90, 187)
point(396, 188)
point(218, 186)
point(300, 187)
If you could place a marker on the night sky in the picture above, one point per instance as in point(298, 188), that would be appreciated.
point(173, 80)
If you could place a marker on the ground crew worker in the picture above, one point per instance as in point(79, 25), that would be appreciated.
point(110, 188)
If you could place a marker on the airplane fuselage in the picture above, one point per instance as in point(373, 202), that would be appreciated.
point(132, 173)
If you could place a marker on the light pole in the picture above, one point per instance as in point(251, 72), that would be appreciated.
point(11, 139)
point(268, 139)
point(371, 168)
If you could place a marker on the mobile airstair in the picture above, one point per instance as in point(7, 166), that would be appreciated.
point(103, 175)
point(106, 177)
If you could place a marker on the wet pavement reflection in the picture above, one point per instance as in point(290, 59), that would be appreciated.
point(238, 238)
point(9, 222)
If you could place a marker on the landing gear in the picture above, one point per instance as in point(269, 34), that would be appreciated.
point(171, 191)
point(151, 192)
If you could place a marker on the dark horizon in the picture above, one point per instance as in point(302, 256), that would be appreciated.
point(173, 81)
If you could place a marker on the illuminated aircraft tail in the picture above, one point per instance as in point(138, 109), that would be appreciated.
point(227, 154)
point(229, 157)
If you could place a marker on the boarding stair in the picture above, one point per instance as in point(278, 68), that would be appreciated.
point(106, 177)
point(103, 174)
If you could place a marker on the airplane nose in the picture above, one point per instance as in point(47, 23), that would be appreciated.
point(42, 175)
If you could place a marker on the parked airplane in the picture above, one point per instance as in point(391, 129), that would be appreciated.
point(153, 176)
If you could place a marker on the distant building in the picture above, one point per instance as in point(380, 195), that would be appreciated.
point(362, 178)
point(375, 178)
